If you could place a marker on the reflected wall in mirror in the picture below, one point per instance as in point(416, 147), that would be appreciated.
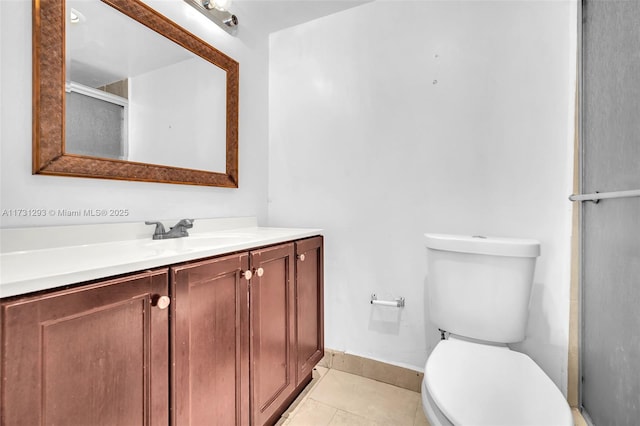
point(122, 92)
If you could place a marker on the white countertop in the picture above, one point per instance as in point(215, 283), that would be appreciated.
point(29, 264)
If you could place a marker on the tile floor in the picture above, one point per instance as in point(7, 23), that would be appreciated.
point(338, 398)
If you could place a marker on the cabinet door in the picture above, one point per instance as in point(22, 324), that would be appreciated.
point(90, 355)
point(211, 342)
point(309, 306)
point(272, 327)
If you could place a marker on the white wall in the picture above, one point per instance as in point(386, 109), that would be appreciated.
point(394, 119)
point(178, 116)
point(22, 190)
point(372, 137)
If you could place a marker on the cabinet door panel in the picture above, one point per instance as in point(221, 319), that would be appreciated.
point(272, 325)
point(94, 355)
point(94, 366)
point(211, 379)
point(309, 306)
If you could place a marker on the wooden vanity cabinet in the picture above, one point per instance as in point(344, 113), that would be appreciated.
point(309, 307)
point(272, 295)
point(241, 347)
point(90, 355)
point(210, 335)
point(237, 343)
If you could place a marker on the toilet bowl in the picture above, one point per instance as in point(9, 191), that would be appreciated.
point(478, 291)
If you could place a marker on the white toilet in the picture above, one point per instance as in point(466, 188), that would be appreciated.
point(479, 292)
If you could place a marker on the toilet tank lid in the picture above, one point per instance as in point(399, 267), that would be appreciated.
point(478, 244)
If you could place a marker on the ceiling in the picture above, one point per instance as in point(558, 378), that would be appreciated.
point(103, 49)
point(274, 15)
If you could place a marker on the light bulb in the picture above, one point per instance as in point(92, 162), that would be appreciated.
point(222, 4)
point(76, 17)
point(216, 4)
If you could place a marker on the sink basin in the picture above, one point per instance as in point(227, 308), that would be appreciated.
point(205, 242)
point(196, 242)
point(43, 258)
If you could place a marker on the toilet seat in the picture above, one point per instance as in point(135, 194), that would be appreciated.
point(479, 384)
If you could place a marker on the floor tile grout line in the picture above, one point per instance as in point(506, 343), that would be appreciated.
point(308, 393)
point(333, 416)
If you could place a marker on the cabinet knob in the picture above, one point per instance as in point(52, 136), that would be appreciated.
point(247, 274)
point(163, 302)
point(301, 257)
point(260, 272)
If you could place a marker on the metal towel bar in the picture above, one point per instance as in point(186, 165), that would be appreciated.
point(597, 196)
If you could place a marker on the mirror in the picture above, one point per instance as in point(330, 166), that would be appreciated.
point(162, 108)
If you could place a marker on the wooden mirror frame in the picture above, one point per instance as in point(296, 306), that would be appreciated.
point(49, 156)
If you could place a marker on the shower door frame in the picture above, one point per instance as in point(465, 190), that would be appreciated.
point(576, 368)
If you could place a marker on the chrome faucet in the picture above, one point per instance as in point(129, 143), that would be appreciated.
point(177, 231)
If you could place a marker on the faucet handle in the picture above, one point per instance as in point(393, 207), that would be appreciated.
point(185, 223)
point(159, 227)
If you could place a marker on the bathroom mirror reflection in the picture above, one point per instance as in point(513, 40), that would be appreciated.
point(132, 94)
point(143, 99)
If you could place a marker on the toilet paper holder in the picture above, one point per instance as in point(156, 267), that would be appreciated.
point(397, 303)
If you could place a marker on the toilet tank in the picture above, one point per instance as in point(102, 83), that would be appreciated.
point(479, 287)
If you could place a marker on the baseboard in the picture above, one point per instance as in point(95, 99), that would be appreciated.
point(372, 369)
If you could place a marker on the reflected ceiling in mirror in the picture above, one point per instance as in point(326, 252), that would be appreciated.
point(147, 102)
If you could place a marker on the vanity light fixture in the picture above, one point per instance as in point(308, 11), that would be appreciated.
point(76, 17)
point(217, 11)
